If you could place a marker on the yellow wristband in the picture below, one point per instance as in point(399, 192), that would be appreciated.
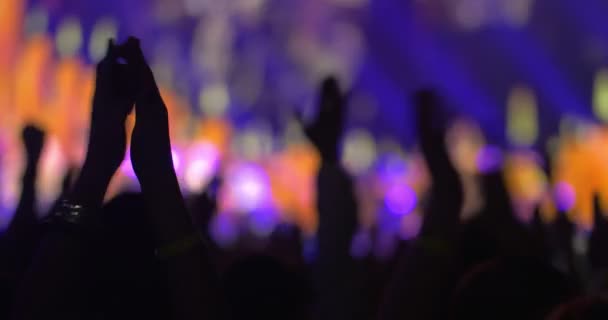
point(178, 247)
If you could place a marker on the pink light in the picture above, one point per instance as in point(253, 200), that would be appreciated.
point(249, 188)
point(223, 230)
point(489, 159)
point(127, 167)
point(565, 196)
point(400, 199)
point(177, 160)
point(203, 162)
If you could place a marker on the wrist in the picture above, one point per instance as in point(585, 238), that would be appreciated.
point(91, 185)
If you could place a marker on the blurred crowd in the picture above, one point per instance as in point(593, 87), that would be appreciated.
point(153, 254)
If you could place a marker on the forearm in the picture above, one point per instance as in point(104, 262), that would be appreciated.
point(192, 278)
point(336, 271)
point(25, 214)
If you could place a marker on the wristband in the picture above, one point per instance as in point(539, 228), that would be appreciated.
point(179, 247)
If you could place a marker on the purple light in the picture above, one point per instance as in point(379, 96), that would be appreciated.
point(263, 222)
point(203, 162)
point(361, 245)
point(177, 160)
point(565, 196)
point(410, 226)
point(400, 199)
point(249, 188)
point(489, 159)
point(127, 167)
point(391, 167)
point(223, 231)
point(385, 245)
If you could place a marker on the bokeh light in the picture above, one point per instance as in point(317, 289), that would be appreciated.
point(104, 29)
point(359, 151)
point(600, 95)
point(565, 196)
point(214, 100)
point(248, 189)
point(223, 230)
point(203, 161)
point(400, 199)
point(69, 37)
point(522, 117)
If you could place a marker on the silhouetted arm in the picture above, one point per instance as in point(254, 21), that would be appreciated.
point(191, 275)
point(428, 269)
point(58, 283)
point(335, 270)
point(22, 234)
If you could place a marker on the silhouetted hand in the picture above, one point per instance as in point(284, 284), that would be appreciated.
point(447, 191)
point(33, 140)
point(326, 130)
point(150, 142)
point(112, 102)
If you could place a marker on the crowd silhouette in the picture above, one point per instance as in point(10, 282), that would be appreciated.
point(148, 255)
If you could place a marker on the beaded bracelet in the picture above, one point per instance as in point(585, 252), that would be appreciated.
point(73, 218)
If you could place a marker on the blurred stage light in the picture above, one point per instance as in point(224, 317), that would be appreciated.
point(254, 142)
point(213, 100)
point(224, 230)
point(489, 159)
point(104, 29)
point(359, 151)
point(36, 22)
point(249, 189)
point(464, 142)
point(565, 196)
point(69, 37)
point(600, 95)
point(400, 199)
point(469, 14)
point(203, 162)
point(361, 244)
point(410, 226)
point(177, 160)
point(517, 12)
point(126, 167)
point(263, 222)
point(522, 117)
point(349, 3)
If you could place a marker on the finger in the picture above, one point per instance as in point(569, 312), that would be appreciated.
point(110, 52)
point(331, 100)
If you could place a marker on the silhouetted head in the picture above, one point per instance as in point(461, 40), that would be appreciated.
point(496, 195)
point(514, 288)
point(259, 287)
point(133, 285)
point(585, 308)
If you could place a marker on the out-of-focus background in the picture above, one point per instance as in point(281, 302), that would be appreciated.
point(525, 80)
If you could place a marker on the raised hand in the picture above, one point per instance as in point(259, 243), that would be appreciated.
point(446, 192)
point(112, 102)
point(326, 130)
point(429, 268)
point(33, 140)
point(191, 277)
point(150, 142)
